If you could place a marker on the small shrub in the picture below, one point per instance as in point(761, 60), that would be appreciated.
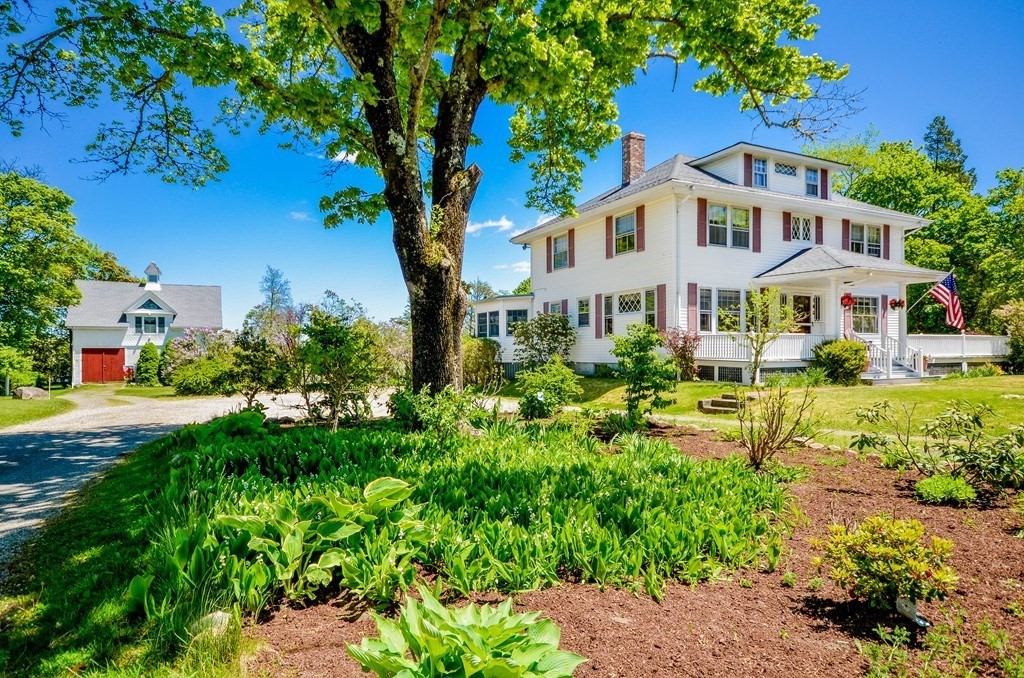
point(789, 580)
point(208, 375)
point(147, 368)
point(772, 422)
point(546, 389)
point(480, 362)
point(682, 346)
point(884, 559)
point(944, 489)
point(441, 414)
point(647, 375)
point(543, 337)
point(986, 370)
point(429, 639)
point(842, 360)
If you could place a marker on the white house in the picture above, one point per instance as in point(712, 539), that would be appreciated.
point(680, 243)
point(114, 319)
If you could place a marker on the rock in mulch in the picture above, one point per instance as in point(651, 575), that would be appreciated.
point(30, 393)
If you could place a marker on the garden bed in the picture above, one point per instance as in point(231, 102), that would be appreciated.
point(748, 622)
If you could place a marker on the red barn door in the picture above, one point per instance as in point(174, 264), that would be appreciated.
point(101, 365)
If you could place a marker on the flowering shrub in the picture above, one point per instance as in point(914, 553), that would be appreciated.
point(196, 343)
point(682, 346)
point(129, 374)
point(547, 388)
point(884, 559)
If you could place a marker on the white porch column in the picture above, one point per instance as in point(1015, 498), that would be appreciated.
point(903, 317)
point(835, 317)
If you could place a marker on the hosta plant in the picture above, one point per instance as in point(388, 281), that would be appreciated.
point(429, 639)
point(884, 559)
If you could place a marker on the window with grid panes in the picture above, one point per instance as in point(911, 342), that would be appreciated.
point(609, 321)
point(729, 307)
point(629, 302)
point(706, 310)
point(583, 312)
point(801, 228)
point(865, 315)
point(651, 308)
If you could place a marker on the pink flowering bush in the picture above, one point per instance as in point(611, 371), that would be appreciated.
point(682, 347)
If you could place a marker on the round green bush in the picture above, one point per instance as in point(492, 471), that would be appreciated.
point(547, 388)
point(206, 376)
point(842, 359)
point(944, 489)
point(147, 369)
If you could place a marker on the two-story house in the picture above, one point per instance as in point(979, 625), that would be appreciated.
point(679, 244)
point(113, 320)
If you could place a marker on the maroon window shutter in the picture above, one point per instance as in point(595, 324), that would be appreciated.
point(885, 314)
point(547, 305)
point(846, 234)
point(787, 226)
point(757, 229)
point(640, 229)
point(847, 321)
point(702, 222)
point(572, 247)
point(824, 184)
point(550, 257)
point(691, 306)
point(885, 241)
point(565, 307)
point(748, 169)
point(609, 239)
point(598, 310)
point(660, 301)
point(819, 230)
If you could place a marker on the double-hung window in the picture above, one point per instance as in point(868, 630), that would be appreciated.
point(481, 324)
point(729, 310)
point(866, 239)
point(513, 318)
point(801, 228)
point(865, 315)
point(560, 252)
point(760, 173)
point(609, 309)
point(583, 312)
point(555, 308)
point(651, 308)
point(729, 226)
point(811, 180)
point(706, 319)
point(625, 233)
point(492, 324)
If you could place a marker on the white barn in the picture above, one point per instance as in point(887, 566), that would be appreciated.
point(114, 319)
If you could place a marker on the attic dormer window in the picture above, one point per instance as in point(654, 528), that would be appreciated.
point(811, 176)
point(785, 169)
point(151, 305)
point(760, 178)
point(151, 325)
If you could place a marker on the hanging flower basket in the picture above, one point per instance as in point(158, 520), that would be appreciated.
point(847, 300)
point(897, 304)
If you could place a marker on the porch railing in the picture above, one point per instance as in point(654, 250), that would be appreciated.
point(960, 345)
point(735, 347)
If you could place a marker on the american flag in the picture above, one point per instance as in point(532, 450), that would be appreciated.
point(944, 292)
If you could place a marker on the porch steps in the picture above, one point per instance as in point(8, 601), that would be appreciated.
point(726, 403)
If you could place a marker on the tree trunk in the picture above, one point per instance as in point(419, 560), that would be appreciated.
point(438, 305)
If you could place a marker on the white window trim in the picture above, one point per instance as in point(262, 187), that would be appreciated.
point(810, 230)
point(755, 173)
point(580, 313)
point(796, 169)
point(816, 183)
point(877, 315)
point(730, 227)
point(864, 241)
point(715, 307)
point(554, 252)
point(616, 236)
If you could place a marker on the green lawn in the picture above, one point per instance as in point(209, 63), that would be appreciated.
point(836, 404)
point(14, 412)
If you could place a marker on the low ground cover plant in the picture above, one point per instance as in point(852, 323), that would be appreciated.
point(252, 513)
point(884, 559)
point(944, 489)
point(986, 370)
point(429, 639)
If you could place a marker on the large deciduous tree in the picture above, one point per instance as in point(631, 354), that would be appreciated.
point(396, 87)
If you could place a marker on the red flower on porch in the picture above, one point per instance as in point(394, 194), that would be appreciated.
point(895, 304)
point(847, 300)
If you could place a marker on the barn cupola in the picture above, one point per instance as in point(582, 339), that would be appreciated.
point(152, 276)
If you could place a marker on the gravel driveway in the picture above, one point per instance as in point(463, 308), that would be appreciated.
point(42, 461)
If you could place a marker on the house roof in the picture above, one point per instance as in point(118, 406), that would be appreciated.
point(823, 260)
point(743, 146)
point(683, 169)
point(103, 303)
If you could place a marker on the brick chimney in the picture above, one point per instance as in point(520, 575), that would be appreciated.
point(633, 158)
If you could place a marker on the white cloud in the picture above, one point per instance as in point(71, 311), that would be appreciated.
point(543, 218)
point(518, 267)
point(345, 156)
point(300, 216)
point(504, 224)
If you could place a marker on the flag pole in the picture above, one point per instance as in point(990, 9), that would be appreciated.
point(929, 290)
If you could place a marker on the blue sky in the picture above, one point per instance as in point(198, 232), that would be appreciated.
point(915, 59)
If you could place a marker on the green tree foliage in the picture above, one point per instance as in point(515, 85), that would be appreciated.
point(15, 368)
point(51, 356)
point(481, 365)
point(396, 88)
point(547, 388)
point(272, 316)
point(258, 366)
point(647, 375)
point(524, 287)
point(543, 337)
point(947, 155)
point(767, 318)
point(147, 369)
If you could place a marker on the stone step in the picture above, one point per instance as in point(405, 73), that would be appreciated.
point(717, 406)
point(727, 403)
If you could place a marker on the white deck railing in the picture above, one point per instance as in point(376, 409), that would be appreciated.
point(959, 345)
point(735, 347)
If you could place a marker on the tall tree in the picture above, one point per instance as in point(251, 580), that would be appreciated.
point(947, 155)
point(276, 290)
point(397, 86)
point(524, 287)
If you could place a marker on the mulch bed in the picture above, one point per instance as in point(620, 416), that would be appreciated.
point(747, 624)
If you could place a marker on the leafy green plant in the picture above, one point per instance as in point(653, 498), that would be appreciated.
point(981, 371)
point(543, 337)
point(209, 375)
point(843, 360)
point(883, 559)
point(147, 368)
point(789, 580)
point(647, 375)
point(481, 362)
point(546, 389)
point(441, 415)
point(429, 639)
point(944, 489)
